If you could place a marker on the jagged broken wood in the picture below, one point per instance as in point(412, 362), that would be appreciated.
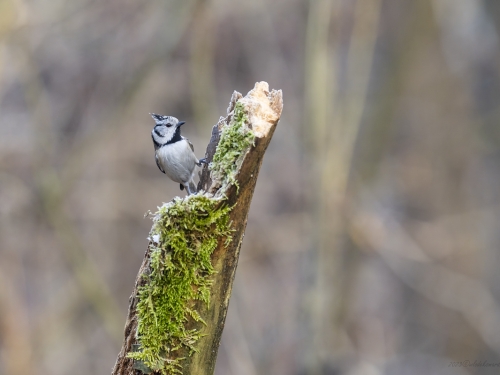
point(227, 186)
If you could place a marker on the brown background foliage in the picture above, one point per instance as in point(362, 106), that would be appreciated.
point(372, 242)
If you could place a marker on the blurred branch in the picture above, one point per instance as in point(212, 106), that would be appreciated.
point(92, 284)
point(51, 194)
point(318, 97)
point(201, 64)
point(334, 111)
point(439, 284)
point(16, 355)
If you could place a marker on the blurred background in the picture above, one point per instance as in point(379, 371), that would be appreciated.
point(372, 244)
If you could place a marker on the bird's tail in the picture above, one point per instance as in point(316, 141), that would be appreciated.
point(191, 187)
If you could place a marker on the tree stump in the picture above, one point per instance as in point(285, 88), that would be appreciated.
point(179, 303)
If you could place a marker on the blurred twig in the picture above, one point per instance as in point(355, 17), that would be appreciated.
point(436, 282)
point(93, 285)
point(335, 112)
point(49, 185)
point(318, 95)
point(201, 63)
point(17, 349)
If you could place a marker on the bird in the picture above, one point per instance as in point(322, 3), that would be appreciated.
point(174, 154)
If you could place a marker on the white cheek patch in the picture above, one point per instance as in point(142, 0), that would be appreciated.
point(160, 131)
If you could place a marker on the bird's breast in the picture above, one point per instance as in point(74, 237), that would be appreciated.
point(178, 160)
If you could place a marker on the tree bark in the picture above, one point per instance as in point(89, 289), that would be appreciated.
point(263, 109)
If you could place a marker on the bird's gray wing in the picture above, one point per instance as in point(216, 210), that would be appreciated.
point(190, 144)
point(158, 163)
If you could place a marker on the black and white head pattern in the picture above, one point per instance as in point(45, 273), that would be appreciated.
point(167, 130)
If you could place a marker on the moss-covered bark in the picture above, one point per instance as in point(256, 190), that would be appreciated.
point(179, 303)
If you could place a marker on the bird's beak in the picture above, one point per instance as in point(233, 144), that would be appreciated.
point(181, 123)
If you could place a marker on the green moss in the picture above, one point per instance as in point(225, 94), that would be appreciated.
point(187, 232)
point(234, 142)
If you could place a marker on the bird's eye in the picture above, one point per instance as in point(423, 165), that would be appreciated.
point(168, 125)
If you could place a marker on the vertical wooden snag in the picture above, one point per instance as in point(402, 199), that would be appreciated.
point(235, 151)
